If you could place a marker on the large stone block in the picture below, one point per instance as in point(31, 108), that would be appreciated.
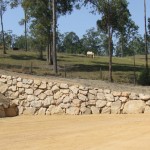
point(11, 112)
point(64, 86)
point(101, 96)
point(115, 107)
point(95, 110)
point(29, 111)
point(3, 88)
point(4, 101)
point(73, 111)
point(74, 89)
point(100, 103)
point(106, 110)
point(2, 112)
point(147, 110)
point(134, 107)
point(110, 97)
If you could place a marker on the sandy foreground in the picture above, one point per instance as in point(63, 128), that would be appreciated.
point(93, 132)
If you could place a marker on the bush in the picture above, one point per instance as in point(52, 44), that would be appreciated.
point(144, 77)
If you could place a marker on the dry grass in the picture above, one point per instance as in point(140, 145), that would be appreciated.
point(75, 66)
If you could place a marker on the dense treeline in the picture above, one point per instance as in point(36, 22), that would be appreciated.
point(116, 33)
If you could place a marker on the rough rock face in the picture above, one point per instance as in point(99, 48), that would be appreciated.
point(134, 107)
point(5, 109)
point(35, 97)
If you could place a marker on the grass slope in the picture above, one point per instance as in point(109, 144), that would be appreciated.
point(75, 66)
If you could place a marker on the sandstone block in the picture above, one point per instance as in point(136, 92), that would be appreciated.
point(100, 96)
point(125, 94)
point(109, 97)
point(123, 99)
point(134, 107)
point(29, 111)
point(65, 106)
point(64, 86)
point(93, 92)
point(95, 110)
point(91, 96)
point(20, 110)
point(13, 88)
point(144, 97)
point(148, 103)
point(55, 89)
point(57, 110)
point(100, 103)
point(82, 97)
point(48, 92)
point(74, 89)
point(73, 111)
point(106, 110)
point(2, 112)
point(38, 92)
point(47, 101)
point(19, 84)
point(114, 93)
point(85, 110)
point(57, 95)
point(29, 91)
point(43, 86)
point(42, 111)
point(76, 102)
point(134, 96)
point(37, 104)
point(11, 112)
point(115, 107)
point(66, 99)
point(3, 88)
point(147, 110)
point(107, 91)
point(18, 79)
point(30, 98)
point(83, 92)
point(42, 96)
point(37, 82)
point(91, 103)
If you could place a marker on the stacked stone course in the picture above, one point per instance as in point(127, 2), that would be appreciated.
point(35, 97)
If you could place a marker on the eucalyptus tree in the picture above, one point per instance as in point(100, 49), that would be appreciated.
point(114, 16)
point(149, 25)
point(125, 35)
point(24, 4)
point(70, 42)
point(3, 6)
point(93, 41)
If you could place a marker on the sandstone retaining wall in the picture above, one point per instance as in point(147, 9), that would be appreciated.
point(35, 97)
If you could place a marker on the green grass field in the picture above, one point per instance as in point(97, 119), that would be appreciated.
point(75, 66)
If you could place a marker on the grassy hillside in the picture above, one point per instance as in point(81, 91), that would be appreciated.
point(75, 66)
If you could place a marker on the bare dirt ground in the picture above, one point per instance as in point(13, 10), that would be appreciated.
point(94, 132)
point(85, 82)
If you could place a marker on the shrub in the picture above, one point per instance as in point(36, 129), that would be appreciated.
point(144, 77)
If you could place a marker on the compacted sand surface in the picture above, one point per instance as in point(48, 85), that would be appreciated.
point(94, 132)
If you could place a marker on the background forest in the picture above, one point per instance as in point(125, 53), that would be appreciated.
point(116, 35)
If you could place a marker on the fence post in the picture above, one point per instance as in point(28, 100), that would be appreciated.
point(100, 73)
point(31, 68)
point(65, 71)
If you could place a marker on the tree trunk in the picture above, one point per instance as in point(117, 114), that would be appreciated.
point(122, 46)
point(146, 51)
point(4, 44)
point(54, 38)
point(25, 30)
point(109, 45)
point(51, 52)
point(50, 38)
